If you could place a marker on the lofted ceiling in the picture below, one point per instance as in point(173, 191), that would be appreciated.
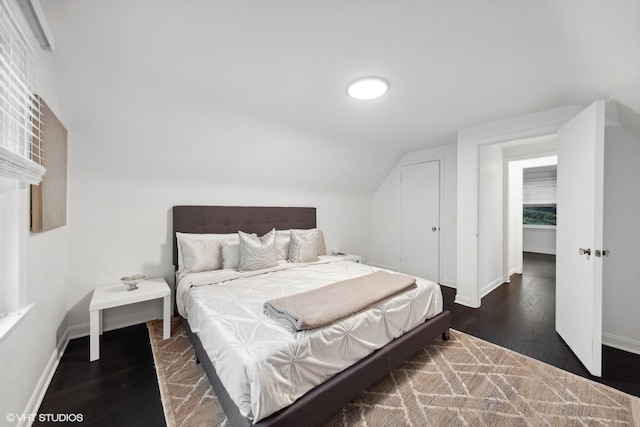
point(451, 64)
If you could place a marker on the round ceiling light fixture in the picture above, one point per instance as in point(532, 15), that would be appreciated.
point(367, 88)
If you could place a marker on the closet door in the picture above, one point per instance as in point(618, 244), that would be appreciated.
point(420, 214)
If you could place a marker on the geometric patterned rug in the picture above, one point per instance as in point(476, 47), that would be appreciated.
point(187, 396)
point(461, 382)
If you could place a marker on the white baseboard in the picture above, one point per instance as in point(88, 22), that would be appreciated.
point(540, 251)
point(45, 379)
point(464, 300)
point(515, 270)
point(621, 343)
point(78, 331)
point(486, 289)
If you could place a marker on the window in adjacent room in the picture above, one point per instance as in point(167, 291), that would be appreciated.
point(539, 196)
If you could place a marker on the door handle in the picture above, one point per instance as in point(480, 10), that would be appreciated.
point(434, 229)
point(584, 251)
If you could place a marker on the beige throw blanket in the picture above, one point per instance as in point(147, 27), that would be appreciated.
point(325, 305)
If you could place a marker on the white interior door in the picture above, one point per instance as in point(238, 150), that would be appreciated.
point(579, 235)
point(420, 229)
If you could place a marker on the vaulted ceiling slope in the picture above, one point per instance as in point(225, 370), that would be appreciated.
point(267, 78)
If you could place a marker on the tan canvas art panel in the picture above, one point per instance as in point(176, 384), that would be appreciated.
point(49, 199)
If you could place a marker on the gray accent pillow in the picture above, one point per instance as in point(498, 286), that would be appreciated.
point(257, 253)
point(303, 246)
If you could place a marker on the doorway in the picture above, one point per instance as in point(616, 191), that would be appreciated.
point(530, 186)
point(580, 133)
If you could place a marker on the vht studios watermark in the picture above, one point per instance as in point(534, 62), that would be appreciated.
point(44, 418)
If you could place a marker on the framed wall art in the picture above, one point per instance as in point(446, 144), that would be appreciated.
point(49, 199)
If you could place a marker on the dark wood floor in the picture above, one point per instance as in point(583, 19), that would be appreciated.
point(120, 389)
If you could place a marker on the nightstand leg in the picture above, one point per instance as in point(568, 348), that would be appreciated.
point(100, 324)
point(94, 340)
point(166, 323)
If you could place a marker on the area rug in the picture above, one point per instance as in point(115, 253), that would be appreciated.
point(461, 382)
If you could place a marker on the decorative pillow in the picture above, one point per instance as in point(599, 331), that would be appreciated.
point(230, 255)
point(185, 238)
point(201, 255)
point(322, 247)
point(282, 243)
point(257, 252)
point(303, 246)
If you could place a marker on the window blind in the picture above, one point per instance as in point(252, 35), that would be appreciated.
point(539, 191)
point(20, 118)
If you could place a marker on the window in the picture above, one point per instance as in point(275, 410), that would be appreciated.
point(20, 156)
point(539, 196)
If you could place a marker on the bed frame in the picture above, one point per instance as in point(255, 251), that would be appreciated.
point(318, 404)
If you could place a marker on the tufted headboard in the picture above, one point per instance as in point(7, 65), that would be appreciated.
point(230, 219)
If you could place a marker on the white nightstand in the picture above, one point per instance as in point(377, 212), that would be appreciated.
point(117, 295)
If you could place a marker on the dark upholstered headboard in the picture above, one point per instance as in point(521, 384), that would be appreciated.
point(230, 219)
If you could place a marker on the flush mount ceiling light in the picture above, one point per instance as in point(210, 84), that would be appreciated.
point(367, 88)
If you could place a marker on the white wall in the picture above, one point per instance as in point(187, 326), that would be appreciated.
point(130, 159)
point(29, 354)
point(386, 202)
point(491, 224)
point(621, 275)
point(143, 138)
point(125, 182)
point(123, 226)
point(539, 239)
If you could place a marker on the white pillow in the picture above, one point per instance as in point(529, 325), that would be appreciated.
point(257, 252)
point(304, 245)
point(230, 255)
point(322, 246)
point(201, 255)
point(282, 243)
point(185, 238)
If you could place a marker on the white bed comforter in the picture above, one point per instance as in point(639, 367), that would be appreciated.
point(263, 364)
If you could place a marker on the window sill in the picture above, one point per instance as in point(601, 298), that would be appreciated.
point(539, 227)
point(10, 321)
point(14, 166)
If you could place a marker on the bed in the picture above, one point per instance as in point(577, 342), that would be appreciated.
point(320, 402)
